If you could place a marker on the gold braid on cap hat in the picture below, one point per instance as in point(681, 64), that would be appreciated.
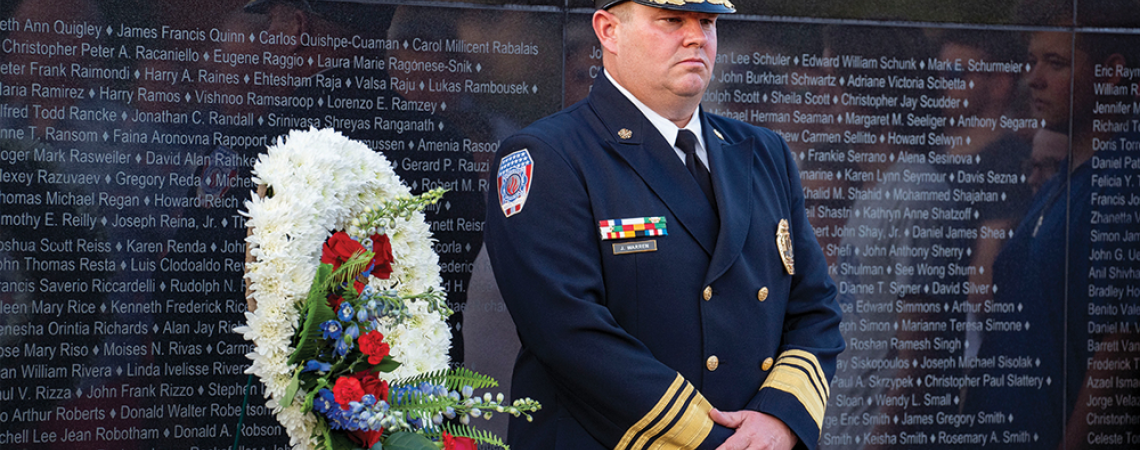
point(683, 2)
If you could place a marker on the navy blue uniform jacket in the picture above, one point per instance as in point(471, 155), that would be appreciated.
point(631, 350)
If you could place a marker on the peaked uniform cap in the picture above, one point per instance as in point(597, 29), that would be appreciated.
point(705, 6)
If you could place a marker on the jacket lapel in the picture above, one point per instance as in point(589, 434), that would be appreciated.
point(636, 141)
point(732, 181)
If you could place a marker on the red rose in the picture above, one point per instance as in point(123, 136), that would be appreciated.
point(373, 345)
point(339, 249)
point(347, 390)
point(382, 259)
point(457, 443)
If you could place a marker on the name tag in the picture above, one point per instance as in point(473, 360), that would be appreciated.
point(625, 248)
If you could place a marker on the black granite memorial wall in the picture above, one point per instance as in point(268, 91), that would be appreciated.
point(971, 170)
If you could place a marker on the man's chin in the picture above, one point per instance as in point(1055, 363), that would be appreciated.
point(691, 87)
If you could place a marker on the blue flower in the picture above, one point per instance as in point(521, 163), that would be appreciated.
point(346, 312)
point(343, 345)
point(353, 331)
point(324, 401)
point(314, 365)
point(332, 329)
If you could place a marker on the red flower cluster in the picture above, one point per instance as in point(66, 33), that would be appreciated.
point(351, 389)
point(457, 443)
point(347, 390)
point(340, 248)
point(354, 387)
point(382, 262)
point(373, 345)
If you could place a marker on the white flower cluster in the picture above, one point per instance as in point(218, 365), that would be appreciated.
point(319, 181)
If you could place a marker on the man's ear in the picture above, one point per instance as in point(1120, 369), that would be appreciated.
point(290, 22)
point(605, 27)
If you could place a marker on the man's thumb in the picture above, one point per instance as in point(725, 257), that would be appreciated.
point(726, 419)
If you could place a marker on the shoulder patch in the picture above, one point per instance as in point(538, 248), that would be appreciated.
point(515, 171)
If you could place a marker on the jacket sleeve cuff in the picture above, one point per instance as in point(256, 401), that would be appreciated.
point(796, 392)
point(679, 421)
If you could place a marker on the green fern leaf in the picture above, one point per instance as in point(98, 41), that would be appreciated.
point(452, 379)
point(315, 312)
point(479, 436)
point(348, 271)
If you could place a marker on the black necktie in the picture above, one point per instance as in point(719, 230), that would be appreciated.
point(687, 142)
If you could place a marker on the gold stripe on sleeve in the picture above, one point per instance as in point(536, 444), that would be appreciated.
point(652, 415)
point(811, 379)
point(691, 430)
point(815, 369)
point(665, 420)
point(798, 373)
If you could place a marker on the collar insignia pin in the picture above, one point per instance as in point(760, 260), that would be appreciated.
point(624, 133)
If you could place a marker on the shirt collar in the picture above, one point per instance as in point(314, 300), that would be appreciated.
point(665, 126)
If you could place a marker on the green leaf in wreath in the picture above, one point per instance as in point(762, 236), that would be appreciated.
point(338, 440)
point(317, 311)
point(388, 365)
point(479, 436)
point(360, 363)
point(405, 440)
point(348, 271)
point(291, 390)
point(453, 379)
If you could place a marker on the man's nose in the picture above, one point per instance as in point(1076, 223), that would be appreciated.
point(695, 33)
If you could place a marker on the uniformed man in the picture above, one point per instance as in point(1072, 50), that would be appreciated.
point(657, 260)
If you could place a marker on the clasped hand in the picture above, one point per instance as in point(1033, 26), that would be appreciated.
point(754, 431)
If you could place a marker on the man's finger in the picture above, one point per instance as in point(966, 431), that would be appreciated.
point(729, 420)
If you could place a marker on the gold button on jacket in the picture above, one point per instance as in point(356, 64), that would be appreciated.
point(707, 293)
point(762, 294)
point(767, 364)
point(712, 363)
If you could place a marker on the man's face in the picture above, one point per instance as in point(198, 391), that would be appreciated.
point(1052, 63)
point(662, 52)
